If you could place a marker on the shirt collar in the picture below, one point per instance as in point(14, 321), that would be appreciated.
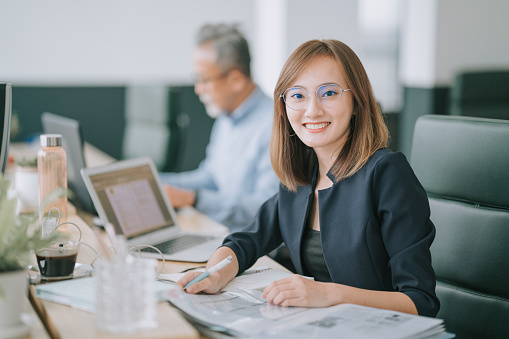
point(247, 105)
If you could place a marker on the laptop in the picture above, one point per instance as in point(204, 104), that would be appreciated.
point(72, 142)
point(129, 195)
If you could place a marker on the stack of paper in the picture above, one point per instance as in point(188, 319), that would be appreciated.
point(243, 313)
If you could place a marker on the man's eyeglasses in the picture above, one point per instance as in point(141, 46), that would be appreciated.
point(203, 80)
point(328, 95)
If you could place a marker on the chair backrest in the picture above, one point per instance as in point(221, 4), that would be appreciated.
point(167, 123)
point(463, 164)
point(190, 130)
point(483, 94)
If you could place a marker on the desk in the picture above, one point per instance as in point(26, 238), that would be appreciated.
point(63, 321)
point(66, 322)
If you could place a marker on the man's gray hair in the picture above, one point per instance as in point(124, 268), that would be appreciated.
point(230, 45)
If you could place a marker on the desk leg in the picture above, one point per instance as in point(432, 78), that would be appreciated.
point(41, 312)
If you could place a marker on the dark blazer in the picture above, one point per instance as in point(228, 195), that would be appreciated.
point(375, 230)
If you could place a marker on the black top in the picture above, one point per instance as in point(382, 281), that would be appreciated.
point(313, 261)
point(375, 228)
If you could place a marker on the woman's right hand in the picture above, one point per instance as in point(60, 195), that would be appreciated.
point(217, 280)
point(211, 284)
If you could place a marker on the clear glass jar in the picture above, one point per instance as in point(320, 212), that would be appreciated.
point(126, 300)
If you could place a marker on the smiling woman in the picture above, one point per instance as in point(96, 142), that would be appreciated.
point(324, 123)
point(351, 212)
point(314, 64)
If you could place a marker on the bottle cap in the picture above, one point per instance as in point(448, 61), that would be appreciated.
point(51, 140)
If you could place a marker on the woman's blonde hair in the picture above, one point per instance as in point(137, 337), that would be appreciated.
point(290, 157)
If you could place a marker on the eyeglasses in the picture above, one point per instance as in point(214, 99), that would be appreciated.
point(328, 95)
point(207, 79)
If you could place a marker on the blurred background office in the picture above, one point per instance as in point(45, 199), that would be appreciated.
point(123, 67)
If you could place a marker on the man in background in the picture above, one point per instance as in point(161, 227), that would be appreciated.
point(236, 176)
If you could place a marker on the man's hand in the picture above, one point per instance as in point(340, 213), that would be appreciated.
point(179, 197)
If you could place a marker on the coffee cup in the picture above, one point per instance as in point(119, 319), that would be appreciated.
point(58, 259)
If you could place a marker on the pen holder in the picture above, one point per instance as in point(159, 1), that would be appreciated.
point(125, 294)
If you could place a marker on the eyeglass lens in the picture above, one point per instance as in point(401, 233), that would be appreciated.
point(328, 95)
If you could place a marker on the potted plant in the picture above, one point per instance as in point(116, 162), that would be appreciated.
point(20, 235)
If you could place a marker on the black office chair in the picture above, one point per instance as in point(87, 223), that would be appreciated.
point(168, 124)
point(483, 94)
point(463, 164)
point(190, 128)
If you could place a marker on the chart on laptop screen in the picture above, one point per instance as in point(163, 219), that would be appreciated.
point(135, 206)
point(132, 200)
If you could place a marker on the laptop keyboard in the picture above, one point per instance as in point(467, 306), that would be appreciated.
point(179, 244)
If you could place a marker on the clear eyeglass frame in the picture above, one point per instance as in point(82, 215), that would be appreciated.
point(209, 79)
point(321, 92)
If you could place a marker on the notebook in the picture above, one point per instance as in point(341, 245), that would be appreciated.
point(129, 195)
point(72, 142)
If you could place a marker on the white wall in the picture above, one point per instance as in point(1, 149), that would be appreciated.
point(269, 49)
point(418, 43)
point(472, 35)
point(107, 42)
point(443, 37)
point(379, 24)
point(123, 42)
point(282, 25)
point(322, 19)
point(150, 42)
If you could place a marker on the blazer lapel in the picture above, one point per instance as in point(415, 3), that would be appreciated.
point(298, 221)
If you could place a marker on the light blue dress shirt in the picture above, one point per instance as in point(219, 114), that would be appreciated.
point(236, 176)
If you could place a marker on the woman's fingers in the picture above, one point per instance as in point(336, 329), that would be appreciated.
point(211, 284)
point(280, 290)
point(296, 291)
point(187, 278)
point(277, 284)
point(199, 286)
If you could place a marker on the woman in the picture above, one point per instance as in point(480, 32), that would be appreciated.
point(351, 212)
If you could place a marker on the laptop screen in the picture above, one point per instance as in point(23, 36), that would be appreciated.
point(132, 200)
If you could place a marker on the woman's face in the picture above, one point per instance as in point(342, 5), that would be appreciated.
point(325, 129)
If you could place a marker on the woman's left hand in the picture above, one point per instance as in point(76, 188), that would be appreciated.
point(299, 291)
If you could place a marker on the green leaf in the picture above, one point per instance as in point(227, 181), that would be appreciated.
point(20, 234)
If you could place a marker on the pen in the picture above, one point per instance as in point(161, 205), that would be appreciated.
point(215, 268)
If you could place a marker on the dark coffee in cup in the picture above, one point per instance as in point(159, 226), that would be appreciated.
point(58, 259)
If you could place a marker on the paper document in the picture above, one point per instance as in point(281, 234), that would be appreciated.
point(243, 313)
point(256, 278)
point(80, 293)
point(256, 281)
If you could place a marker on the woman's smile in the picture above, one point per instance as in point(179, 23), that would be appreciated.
point(316, 127)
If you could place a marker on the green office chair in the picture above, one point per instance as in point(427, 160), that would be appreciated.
point(463, 164)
